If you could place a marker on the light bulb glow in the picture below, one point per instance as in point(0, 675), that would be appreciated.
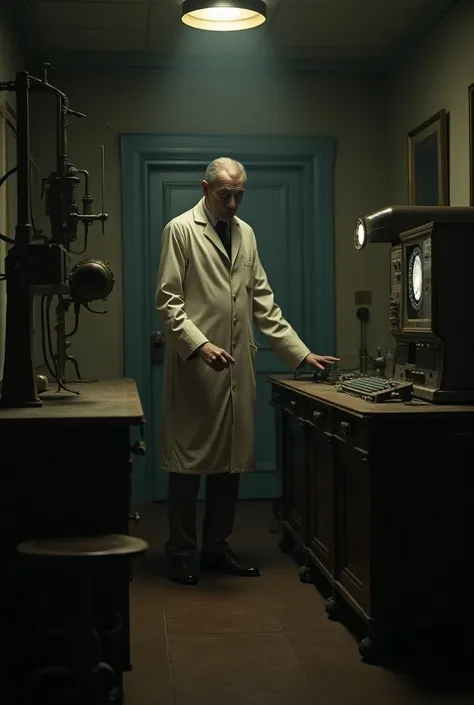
point(223, 18)
point(360, 235)
point(223, 14)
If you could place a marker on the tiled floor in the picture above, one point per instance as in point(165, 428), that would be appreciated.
point(264, 641)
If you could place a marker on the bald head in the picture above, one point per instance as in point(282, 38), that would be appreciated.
point(224, 164)
point(223, 187)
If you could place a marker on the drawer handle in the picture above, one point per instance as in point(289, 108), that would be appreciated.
point(293, 404)
point(345, 427)
point(138, 448)
point(317, 415)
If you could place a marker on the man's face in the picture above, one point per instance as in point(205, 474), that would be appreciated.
point(224, 197)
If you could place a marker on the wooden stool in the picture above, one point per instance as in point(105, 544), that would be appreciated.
point(87, 680)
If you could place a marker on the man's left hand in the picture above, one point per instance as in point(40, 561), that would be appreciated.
point(320, 361)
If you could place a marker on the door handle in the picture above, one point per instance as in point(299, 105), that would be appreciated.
point(157, 347)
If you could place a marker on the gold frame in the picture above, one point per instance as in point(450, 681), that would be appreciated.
point(436, 124)
point(471, 144)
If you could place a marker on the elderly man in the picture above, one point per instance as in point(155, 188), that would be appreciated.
point(211, 289)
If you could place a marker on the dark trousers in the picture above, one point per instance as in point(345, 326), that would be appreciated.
point(221, 499)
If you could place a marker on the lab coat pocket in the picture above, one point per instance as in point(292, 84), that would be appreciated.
point(248, 276)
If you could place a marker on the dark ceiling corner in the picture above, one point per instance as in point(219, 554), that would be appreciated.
point(423, 24)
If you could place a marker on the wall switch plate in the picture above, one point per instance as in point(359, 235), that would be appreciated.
point(363, 298)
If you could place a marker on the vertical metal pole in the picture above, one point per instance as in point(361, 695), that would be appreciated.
point(23, 226)
point(19, 377)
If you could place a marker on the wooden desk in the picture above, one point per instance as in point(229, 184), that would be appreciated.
point(380, 497)
point(66, 469)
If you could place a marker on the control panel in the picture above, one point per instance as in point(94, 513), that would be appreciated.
point(395, 288)
point(375, 389)
point(420, 363)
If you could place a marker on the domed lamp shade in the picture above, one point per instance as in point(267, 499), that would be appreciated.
point(224, 15)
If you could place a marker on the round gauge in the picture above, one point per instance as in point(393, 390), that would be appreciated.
point(360, 235)
point(415, 278)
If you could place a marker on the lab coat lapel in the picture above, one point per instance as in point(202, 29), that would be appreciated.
point(214, 238)
point(200, 217)
point(211, 234)
point(236, 240)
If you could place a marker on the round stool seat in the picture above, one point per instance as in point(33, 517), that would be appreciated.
point(105, 546)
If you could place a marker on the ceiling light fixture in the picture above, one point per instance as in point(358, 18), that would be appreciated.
point(224, 15)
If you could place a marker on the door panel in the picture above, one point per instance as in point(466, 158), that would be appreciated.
point(272, 205)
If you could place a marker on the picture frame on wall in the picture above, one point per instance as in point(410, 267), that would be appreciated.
point(471, 144)
point(428, 162)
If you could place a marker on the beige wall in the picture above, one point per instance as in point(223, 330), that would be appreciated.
point(434, 76)
point(350, 107)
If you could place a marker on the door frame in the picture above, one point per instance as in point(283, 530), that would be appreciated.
point(139, 153)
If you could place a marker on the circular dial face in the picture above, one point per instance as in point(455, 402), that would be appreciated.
point(415, 278)
point(360, 236)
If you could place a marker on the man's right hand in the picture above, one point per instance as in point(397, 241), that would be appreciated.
point(217, 358)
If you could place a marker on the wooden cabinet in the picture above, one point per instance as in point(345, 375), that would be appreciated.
point(352, 565)
point(292, 467)
point(379, 497)
point(320, 488)
point(66, 470)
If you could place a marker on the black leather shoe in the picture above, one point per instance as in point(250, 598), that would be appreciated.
point(181, 571)
point(227, 563)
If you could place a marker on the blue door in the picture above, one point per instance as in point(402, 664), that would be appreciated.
point(279, 205)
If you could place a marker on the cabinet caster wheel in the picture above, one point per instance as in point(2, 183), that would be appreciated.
point(371, 652)
point(332, 608)
point(286, 544)
point(305, 574)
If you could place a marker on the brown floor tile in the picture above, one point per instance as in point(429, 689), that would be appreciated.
point(241, 616)
point(150, 681)
point(266, 641)
point(195, 692)
point(239, 666)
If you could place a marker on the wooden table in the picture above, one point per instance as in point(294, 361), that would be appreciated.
point(66, 469)
point(380, 498)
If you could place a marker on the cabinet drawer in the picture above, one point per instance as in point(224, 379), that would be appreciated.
point(294, 403)
point(318, 415)
point(351, 428)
